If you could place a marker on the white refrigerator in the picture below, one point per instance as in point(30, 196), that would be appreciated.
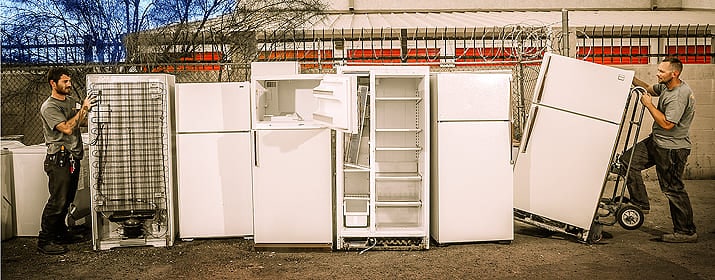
point(472, 183)
point(214, 160)
point(568, 141)
point(292, 118)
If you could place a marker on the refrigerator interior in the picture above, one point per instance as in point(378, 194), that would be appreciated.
point(472, 176)
point(385, 204)
point(131, 166)
point(304, 102)
point(213, 158)
point(284, 101)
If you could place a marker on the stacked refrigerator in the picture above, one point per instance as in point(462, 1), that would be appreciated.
point(292, 117)
point(213, 155)
point(570, 137)
point(472, 183)
point(132, 184)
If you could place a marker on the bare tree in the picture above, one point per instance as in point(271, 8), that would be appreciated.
point(148, 31)
point(231, 34)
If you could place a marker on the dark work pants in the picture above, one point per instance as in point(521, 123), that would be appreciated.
point(63, 187)
point(670, 166)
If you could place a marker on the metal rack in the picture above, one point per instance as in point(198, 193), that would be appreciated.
point(132, 190)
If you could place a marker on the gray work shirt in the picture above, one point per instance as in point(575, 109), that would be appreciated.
point(53, 112)
point(678, 106)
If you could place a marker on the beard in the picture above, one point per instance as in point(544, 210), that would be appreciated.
point(64, 91)
point(664, 81)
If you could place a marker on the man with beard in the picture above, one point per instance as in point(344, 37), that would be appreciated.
point(667, 148)
point(62, 116)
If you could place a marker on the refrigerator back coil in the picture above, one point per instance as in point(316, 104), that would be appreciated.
point(130, 159)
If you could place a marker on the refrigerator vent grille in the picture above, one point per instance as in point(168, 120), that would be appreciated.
point(130, 154)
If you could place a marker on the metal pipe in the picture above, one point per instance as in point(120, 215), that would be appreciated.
point(565, 31)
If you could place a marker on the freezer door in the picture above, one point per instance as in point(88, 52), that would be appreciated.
point(337, 102)
point(473, 96)
point(583, 87)
point(562, 165)
point(472, 190)
point(215, 194)
point(211, 107)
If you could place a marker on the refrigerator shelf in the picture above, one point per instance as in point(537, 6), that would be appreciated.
point(398, 130)
point(393, 176)
point(355, 168)
point(398, 149)
point(356, 197)
point(417, 99)
point(398, 203)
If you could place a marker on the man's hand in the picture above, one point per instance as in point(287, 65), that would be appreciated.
point(646, 99)
point(89, 102)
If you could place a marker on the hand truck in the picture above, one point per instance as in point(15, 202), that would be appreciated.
point(616, 209)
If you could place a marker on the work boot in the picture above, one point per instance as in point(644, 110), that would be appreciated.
point(680, 238)
point(51, 248)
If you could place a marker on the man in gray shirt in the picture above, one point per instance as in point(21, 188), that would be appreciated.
point(667, 148)
point(61, 118)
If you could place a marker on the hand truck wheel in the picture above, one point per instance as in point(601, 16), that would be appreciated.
point(629, 217)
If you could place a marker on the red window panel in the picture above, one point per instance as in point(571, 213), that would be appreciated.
point(422, 55)
point(374, 56)
point(304, 56)
point(202, 57)
point(692, 54)
point(615, 54)
point(481, 55)
point(393, 55)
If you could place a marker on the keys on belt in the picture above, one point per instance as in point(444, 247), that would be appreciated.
point(72, 165)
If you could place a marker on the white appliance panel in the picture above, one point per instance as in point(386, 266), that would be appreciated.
point(470, 96)
point(562, 164)
point(292, 186)
point(31, 192)
point(337, 103)
point(208, 107)
point(583, 87)
point(473, 194)
point(215, 194)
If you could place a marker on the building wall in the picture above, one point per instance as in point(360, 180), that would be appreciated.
point(701, 78)
point(530, 5)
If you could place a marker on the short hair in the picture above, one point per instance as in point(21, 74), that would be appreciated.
point(675, 63)
point(55, 73)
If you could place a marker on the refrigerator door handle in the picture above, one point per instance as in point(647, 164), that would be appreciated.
point(254, 154)
point(529, 127)
point(539, 89)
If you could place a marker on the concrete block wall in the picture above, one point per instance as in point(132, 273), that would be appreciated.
point(701, 78)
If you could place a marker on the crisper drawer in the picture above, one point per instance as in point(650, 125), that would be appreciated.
point(406, 215)
point(356, 211)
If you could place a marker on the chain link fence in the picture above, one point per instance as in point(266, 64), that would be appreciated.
point(25, 88)
point(518, 49)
